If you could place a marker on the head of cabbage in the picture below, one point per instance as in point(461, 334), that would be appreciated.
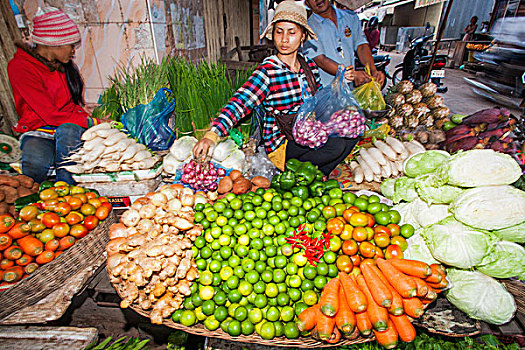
point(514, 233)
point(458, 245)
point(404, 190)
point(424, 162)
point(506, 260)
point(480, 296)
point(431, 193)
point(417, 249)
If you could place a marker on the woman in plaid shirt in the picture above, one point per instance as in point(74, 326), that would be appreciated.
point(281, 84)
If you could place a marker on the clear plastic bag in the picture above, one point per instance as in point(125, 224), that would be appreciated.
point(333, 111)
point(260, 165)
point(369, 95)
point(149, 123)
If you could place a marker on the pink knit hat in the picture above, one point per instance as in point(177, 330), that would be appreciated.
point(52, 27)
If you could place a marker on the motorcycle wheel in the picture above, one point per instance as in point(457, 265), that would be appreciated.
point(397, 76)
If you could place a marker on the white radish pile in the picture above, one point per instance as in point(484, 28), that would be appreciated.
point(384, 160)
point(109, 150)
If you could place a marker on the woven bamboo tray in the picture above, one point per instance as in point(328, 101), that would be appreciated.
point(199, 329)
point(517, 289)
point(88, 251)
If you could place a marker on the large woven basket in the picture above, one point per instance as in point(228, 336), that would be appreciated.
point(199, 329)
point(88, 251)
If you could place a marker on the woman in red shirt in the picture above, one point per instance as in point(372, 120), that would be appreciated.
point(47, 88)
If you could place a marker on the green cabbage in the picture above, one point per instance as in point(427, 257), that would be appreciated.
point(458, 245)
point(388, 187)
point(479, 167)
point(418, 250)
point(480, 296)
point(404, 189)
point(430, 193)
point(424, 163)
point(514, 233)
point(506, 260)
point(490, 207)
point(420, 214)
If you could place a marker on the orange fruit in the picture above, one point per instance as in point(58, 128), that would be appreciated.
point(350, 247)
point(359, 234)
point(367, 250)
point(344, 263)
point(335, 226)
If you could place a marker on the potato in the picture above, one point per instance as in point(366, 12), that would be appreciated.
point(4, 208)
point(24, 191)
point(24, 180)
point(9, 181)
point(242, 185)
point(2, 196)
point(225, 185)
point(10, 193)
point(261, 181)
point(234, 174)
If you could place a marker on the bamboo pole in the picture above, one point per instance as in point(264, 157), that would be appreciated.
point(440, 35)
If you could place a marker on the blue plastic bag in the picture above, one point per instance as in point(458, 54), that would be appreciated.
point(333, 110)
point(149, 123)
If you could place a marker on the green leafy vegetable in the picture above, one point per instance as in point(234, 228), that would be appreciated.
point(514, 233)
point(404, 190)
point(388, 188)
point(430, 193)
point(418, 250)
point(506, 260)
point(424, 163)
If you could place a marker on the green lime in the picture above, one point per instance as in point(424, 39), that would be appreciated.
point(255, 315)
point(322, 269)
point(208, 307)
point(407, 230)
point(309, 272)
point(240, 313)
point(374, 208)
point(320, 282)
point(205, 293)
point(291, 331)
point(217, 280)
point(287, 313)
point(330, 257)
point(271, 290)
point(211, 323)
point(282, 288)
point(395, 217)
point(295, 294)
point(196, 299)
point(201, 264)
point(254, 254)
point(247, 264)
point(273, 314)
point(221, 313)
point(233, 261)
point(267, 331)
point(232, 308)
point(188, 305)
point(267, 276)
point(349, 197)
point(225, 251)
point(241, 250)
point(175, 317)
point(220, 298)
point(247, 327)
point(205, 278)
point(283, 299)
point(332, 270)
point(228, 212)
point(234, 296)
point(232, 282)
point(234, 328)
point(260, 265)
point(382, 218)
point(279, 328)
point(206, 252)
point(260, 301)
point(188, 318)
point(245, 288)
point(270, 251)
point(257, 223)
point(307, 285)
point(281, 261)
point(226, 273)
point(320, 226)
point(279, 275)
point(294, 281)
point(310, 297)
point(361, 204)
point(300, 307)
point(259, 287)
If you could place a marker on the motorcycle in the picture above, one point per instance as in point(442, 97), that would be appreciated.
point(416, 64)
point(380, 61)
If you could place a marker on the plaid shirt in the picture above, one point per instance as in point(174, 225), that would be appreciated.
point(280, 91)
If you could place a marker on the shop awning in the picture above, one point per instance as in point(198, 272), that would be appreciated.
point(382, 11)
point(423, 3)
point(353, 4)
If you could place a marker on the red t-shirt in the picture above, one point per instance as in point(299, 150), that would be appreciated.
point(372, 36)
point(42, 96)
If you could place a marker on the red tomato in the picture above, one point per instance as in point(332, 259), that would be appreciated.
point(367, 249)
point(91, 195)
point(95, 202)
point(382, 240)
point(74, 218)
point(356, 260)
point(61, 229)
point(78, 231)
point(371, 220)
point(350, 247)
point(393, 251)
point(90, 222)
point(394, 229)
point(382, 229)
point(102, 212)
point(107, 204)
point(50, 219)
point(62, 209)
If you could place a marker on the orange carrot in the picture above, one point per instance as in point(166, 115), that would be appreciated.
point(405, 285)
point(397, 302)
point(413, 307)
point(422, 287)
point(30, 268)
point(6, 263)
point(329, 300)
point(308, 318)
point(66, 242)
point(430, 297)
point(436, 275)
point(30, 245)
point(404, 328)
point(354, 297)
point(363, 323)
point(412, 267)
point(325, 326)
point(24, 260)
point(377, 314)
point(58, 253)
point(440, 285)
point(335, 337)
point(440, 268)
point(387, 338)
point(52, 245)
point(345, 318)
point(45, 257)
point(6, 222)
point(378, 289)
point(355, 333)
point(5, 241)
point(13, 274)
point(2, 275)
point(19, 230)
point(13, 253)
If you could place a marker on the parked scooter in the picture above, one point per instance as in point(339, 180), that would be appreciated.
point(380, 61)
point(416, 64)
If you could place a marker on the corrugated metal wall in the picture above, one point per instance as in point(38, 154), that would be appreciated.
point(461, 13)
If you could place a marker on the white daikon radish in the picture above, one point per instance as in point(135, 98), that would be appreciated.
point(132, 150)
point(114, 139)
point(121, 145)
point(113, 167)
point(75, 168)
point(370, 161)
point(418, 145)
point(368, 173)
point(386, 170)
point(385, 149)
point(95, 153)
point(377, 178)
point(107, 133)
point(395, 144)
point(412, 149)
point(378, 155)
point(88, 135)
point(357, 171)
point(141, 156)
point(89, 145)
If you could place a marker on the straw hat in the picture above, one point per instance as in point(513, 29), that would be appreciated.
point(289, 11)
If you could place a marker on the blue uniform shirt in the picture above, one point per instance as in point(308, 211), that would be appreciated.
point(337, 43)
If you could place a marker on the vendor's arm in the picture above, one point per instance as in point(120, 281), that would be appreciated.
point(30, 88)
point(250, 95)
point(365, 56)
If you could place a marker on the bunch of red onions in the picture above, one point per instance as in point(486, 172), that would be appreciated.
point(201, 177)
point(347, 122)
point(310, 132)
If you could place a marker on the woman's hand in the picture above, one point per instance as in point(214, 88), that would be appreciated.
point(202, 148)
point(348, 73)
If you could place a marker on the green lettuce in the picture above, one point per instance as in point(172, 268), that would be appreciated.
point(514, 233)
point(490, 207)
point(479, 167)
point(388, 188)
point(458, 245)
point(430, 193)
point(404, 190)
point(506, 260)
point(480, 296)
point(417, 249)
point(424, 163)
point(420, 214)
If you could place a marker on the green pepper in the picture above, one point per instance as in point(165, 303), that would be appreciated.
point(301, 192)
point(287, 180)
point(316, 188)
point(293, 165)
point(328, 185)
point(319, 175)
point(307, 172)
point(26, 200)
point(45, 185)
point(275, 184)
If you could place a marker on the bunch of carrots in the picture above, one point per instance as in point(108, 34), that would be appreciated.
point(20, 252)
point(381, 299)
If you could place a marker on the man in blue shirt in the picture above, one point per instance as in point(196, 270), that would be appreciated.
point(339, 35)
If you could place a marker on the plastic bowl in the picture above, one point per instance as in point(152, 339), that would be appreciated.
point(377, 114)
